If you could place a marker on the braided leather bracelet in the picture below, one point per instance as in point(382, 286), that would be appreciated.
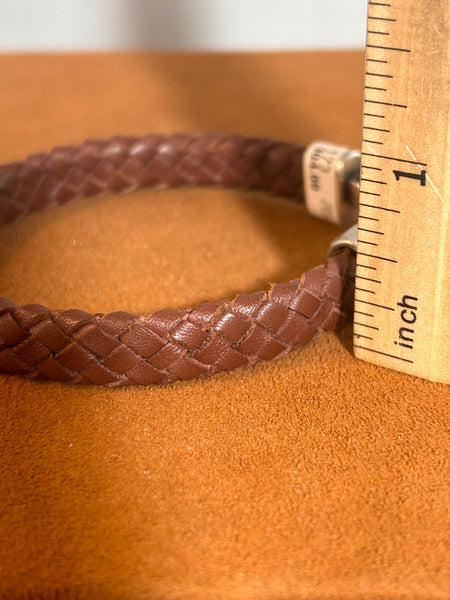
point(124, 349)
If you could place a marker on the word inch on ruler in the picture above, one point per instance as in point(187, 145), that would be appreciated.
point(402, 297)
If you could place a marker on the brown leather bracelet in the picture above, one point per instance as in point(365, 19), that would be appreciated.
point(119, 348)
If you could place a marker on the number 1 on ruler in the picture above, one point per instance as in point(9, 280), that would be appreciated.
point(402, 297)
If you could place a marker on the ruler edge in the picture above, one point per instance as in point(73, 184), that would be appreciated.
point(368, 355)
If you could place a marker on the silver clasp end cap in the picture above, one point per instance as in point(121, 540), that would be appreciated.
point(347, 240)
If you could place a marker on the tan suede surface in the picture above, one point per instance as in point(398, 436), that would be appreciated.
point(316, 476)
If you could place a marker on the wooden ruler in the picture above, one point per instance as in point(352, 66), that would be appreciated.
point(402, 299)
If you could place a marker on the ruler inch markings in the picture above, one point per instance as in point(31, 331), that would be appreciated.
point(374, 304)
point(368, 218)
point(385, 75)
point(404, 160)
point(377, 181)
point(386, 208)
point(386, 103)
point(370, 167)
point(377, 257)
point(390, 48)
point(377, 129)
point(384, 353)
point(371, 231)
point(374, 115)
point(372, 18)
point(368, 243)
point(402, 279)
point(360, 312)
point(367, 279)
point(366, 325)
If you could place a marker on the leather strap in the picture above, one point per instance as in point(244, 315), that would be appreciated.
point(123, 349)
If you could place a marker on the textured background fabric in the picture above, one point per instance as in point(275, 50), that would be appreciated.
point(315, 476)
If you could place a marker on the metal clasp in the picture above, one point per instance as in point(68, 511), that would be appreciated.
point(350, 175)
point(331, 183)
point(348, 239)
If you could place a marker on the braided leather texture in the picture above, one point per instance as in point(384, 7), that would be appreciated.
point(124, 349)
